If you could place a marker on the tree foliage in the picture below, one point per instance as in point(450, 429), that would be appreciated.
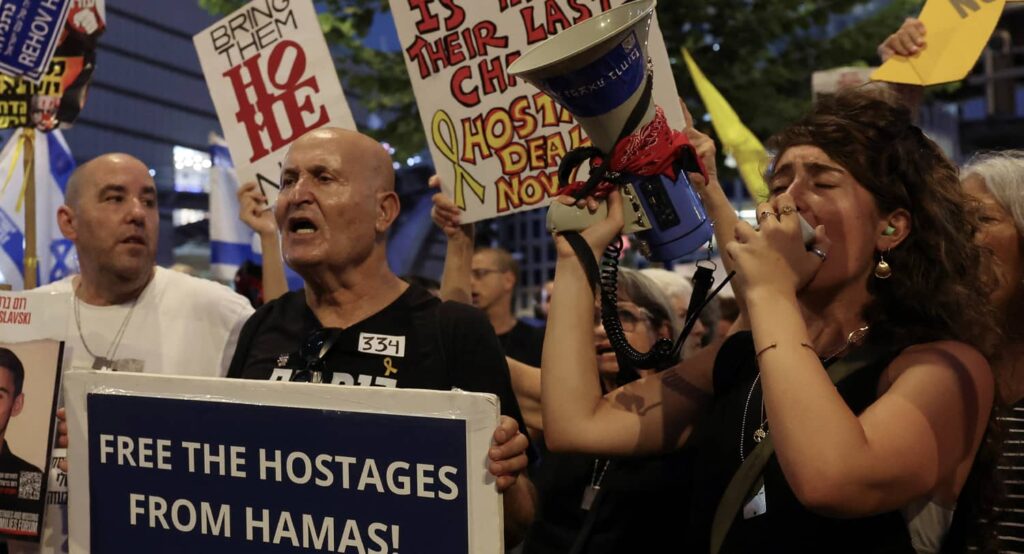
point(766, 51)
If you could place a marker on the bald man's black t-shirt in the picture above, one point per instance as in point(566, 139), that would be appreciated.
point(523, 343)
point(416, 342)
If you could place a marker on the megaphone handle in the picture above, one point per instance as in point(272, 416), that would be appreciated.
point(574, 159)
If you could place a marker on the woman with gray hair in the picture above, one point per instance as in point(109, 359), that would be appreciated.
point(996, 180)
point(679, 291)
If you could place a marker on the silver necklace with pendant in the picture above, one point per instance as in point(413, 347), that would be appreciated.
point(761, 433)
point(105, 362)
point(590, 493)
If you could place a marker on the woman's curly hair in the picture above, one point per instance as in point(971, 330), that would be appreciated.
point(941, 280)
point(940, 284)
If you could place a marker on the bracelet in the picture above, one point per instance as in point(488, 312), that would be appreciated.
point(775, 345)
point(765, 349)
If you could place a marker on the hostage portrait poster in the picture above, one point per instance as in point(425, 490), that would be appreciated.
point(30, 367)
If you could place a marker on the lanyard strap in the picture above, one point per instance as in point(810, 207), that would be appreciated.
point(749, 477)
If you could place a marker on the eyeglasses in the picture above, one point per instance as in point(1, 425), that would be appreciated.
point(480, 273)
point(630, 316)
point(312, 353)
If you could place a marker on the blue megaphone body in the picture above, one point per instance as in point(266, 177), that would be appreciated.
point(599, 71)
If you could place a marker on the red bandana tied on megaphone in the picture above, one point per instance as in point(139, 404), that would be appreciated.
point(651, 150)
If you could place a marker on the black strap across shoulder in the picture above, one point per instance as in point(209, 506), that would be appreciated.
point(749, 477)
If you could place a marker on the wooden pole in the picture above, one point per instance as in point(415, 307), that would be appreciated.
point(31, 261)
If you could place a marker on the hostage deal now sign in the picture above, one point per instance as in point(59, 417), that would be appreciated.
point(272, 79)
point(497, 141)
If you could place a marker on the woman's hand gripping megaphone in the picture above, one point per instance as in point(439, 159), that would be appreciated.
point(601, 215)
point(586, 211)
point(602, 231)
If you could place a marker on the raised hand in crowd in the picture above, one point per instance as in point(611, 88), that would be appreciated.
point(258, 214)
point(255, 211)
point(907, 41)
point(456, 286)
point(458, 259)
point(447, 215)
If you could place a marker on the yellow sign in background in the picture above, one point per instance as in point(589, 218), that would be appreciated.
point(958, 31)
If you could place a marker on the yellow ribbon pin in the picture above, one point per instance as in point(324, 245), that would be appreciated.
point(450, 150)
point(388, 368)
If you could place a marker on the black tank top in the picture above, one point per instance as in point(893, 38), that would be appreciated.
point(786, 526)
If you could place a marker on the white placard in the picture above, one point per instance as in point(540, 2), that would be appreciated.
point(178, 440)
point(272, 79)
point(496, 141)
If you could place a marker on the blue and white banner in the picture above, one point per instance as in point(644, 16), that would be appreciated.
point(53, 166)
point(29, 31)
point(264, 467)
point(231, 240)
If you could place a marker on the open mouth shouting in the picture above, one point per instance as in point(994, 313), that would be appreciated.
point(134, 240)
point(301, 225)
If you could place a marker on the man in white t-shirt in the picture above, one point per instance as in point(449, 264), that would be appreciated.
point(127, 314)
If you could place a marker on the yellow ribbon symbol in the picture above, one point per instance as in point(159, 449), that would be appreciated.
point(450, 150)
point(388, 368)
point(23, 145)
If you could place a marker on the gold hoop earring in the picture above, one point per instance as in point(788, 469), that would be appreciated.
point(882, 269)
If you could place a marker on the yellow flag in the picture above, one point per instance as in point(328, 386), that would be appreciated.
point(737, 140)
point(957, 32)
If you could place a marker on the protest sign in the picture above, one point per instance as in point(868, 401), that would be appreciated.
point(33, 329)
point(29, 32)
point(56, 100)
point(56, 94)
point(497, 141)
point(272, 79)
point(186, 464)
point(958, 31)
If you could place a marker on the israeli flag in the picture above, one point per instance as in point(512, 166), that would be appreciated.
point(53, 166)
point(231, 241)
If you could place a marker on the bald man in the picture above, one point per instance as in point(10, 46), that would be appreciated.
point(367, 326)
point(128, 314)
point(125, 313)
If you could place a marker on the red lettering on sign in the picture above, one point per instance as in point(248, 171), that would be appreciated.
point(456, 15)
point(465, 97)
point(258, 115)
point(428, 22)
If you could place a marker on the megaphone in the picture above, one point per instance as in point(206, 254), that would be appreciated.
point(599, 71)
